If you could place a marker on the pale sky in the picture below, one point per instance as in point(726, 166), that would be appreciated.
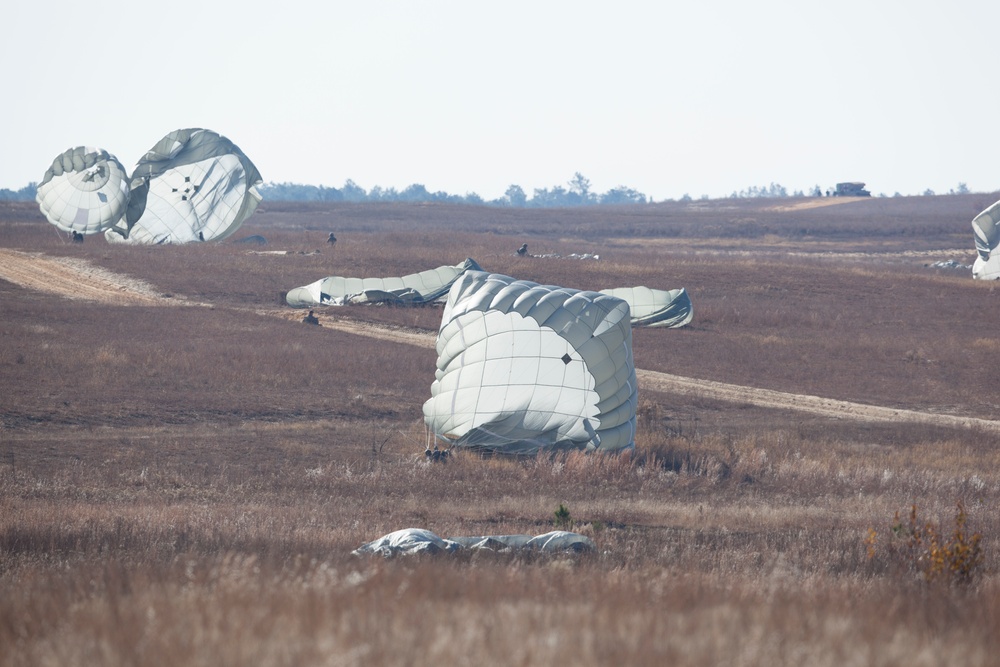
point(704, 98)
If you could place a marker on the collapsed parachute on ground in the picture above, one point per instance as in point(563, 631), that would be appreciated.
point(411, 541)
point(193, 185)
point(986, 227)
point(654, 307)
point(414, 289)
point(524, 367)
point(85, 190)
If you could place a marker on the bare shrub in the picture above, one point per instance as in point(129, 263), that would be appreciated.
point(920, 546)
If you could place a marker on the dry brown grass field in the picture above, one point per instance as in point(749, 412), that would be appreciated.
point(185, 467)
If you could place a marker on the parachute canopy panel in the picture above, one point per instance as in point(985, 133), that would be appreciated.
point(193, 185)
point(986, 229)
point(654, 307)
point(415, 541)
point(413, 289)
point(86, 190)
point(524, 367)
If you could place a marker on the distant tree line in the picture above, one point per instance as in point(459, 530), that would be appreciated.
point(775, 190)
point(576, 193)
point(27, 193)
point(772, 190)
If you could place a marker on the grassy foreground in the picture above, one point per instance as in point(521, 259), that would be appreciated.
point(183, 485)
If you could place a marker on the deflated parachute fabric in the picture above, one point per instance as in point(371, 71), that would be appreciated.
point(654, 307)
point(193, 185)
point(418, 540)
point(555, 541)
point(407, 541)
point(986, 227)
point(524, 367)
point(413, 289)
point(85, 190)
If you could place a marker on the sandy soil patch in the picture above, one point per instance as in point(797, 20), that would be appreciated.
point(78, 279)
point(817, 202)
point(331, 318)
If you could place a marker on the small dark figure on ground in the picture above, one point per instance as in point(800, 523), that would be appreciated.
point(436, 455)
point(331, 239)
point(310, 319)
point(523, 250)
point(77, 237)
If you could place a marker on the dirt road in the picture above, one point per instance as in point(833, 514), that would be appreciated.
point(78, 279)
point(826, 407)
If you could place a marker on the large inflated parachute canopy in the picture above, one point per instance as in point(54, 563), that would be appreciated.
point(86, 190)
point(524, 367)
point(413, 289)
point(986, 228)
point(193, 185)
point(654, 307)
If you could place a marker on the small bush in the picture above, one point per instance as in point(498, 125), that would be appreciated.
point(920, 546)
point(562, 518)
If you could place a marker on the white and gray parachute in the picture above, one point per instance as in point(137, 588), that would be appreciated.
point(656, 307)
point(414, 541)
point(413, 289)
point(86, 190)
point(524, 367)
point(193, 185)
point(986, 228)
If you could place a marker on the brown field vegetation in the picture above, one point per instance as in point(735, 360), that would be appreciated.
point(184, 476)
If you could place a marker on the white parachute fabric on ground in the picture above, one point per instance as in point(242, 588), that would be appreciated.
point(411, 541)
point(193, 185)
point(86, 190)
point(407, 542)
point(560, 540)
point(986, 228)
point(416, 288)
point(655, 307)
point(524, 367)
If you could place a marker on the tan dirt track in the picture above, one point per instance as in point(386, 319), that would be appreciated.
point(78, 279)
point(818, 202)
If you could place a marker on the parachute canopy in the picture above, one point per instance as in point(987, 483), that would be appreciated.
point(407, 541)
point(524, 367)
point(193, 185)
point(413, 289)
point(987, 236)
point(654, 307)
point(85, 190)
point(410, 541)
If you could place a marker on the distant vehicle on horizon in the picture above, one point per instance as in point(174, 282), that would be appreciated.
point(851, 189)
